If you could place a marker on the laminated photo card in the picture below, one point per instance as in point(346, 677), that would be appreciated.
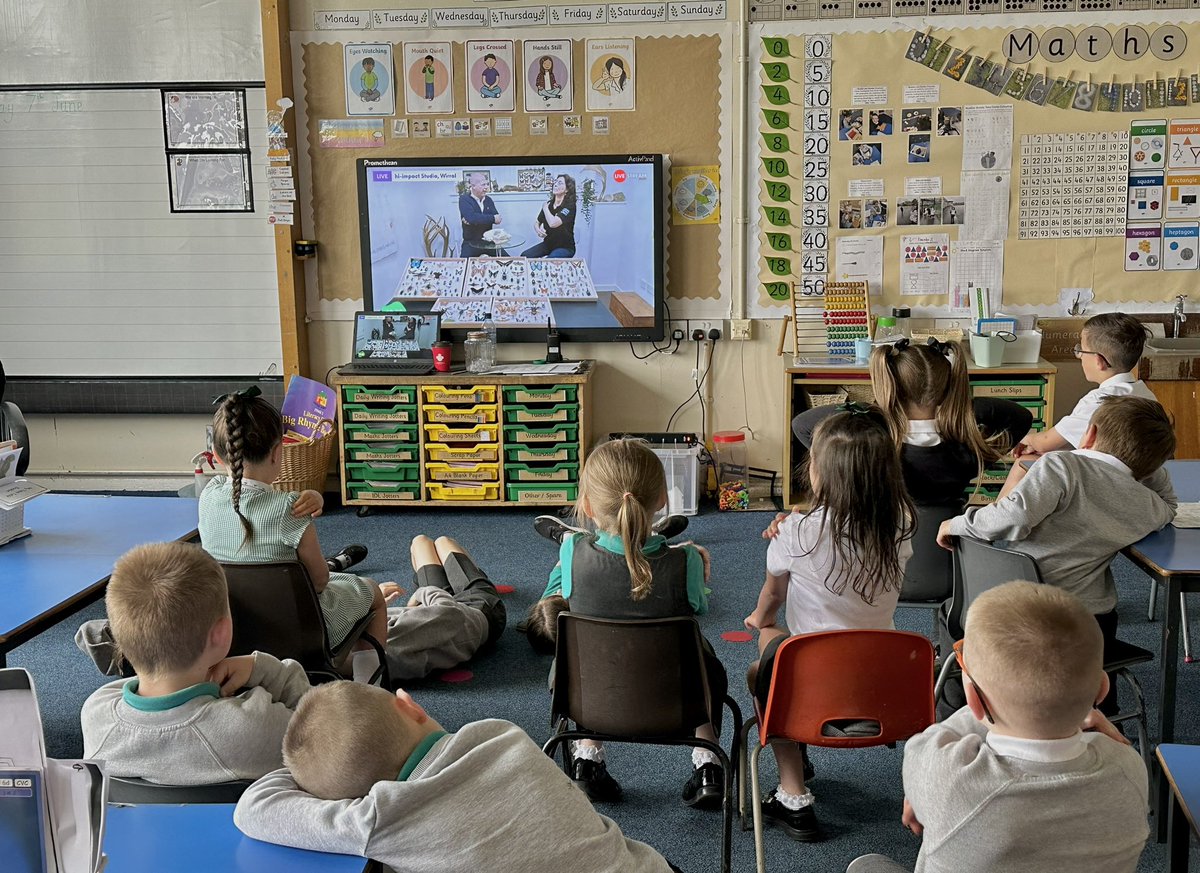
point(428, 72)
point(369, 89)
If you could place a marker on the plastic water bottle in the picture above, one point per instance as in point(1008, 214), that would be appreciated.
point(489, 328)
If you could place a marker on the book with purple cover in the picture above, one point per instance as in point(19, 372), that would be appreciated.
point(308, 409)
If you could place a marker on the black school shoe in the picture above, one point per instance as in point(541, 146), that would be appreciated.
point(799, 824)
point(553, 528)
point(671, 526)
point(705, 789)
point(593, 779)
point(347, 558)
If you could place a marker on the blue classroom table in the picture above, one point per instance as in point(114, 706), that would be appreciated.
point(65, 564)
point(1181, 766)
point(202, 837)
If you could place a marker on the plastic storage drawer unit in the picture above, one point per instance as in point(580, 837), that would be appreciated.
point(471, 395)
point(546, 493)
point(359, 412)
point(539, 393)
point(379, 394)
point(464, 491)
point(385, 470)
point(559, 433)
point(381, 433)
point(540, 416)
point(384, 492)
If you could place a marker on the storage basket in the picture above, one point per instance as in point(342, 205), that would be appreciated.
point(860, 392)
point(304, 466)
point(834, 397)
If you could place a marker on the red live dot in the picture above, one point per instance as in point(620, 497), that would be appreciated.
point(619, 176)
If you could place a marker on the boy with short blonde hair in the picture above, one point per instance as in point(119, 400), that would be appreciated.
point(192, 715)
point(1027, 776)
point(483, 798)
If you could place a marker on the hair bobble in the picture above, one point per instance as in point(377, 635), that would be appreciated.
point(899, 345)
point(626, 494)
point(244, 394)
point(940, 347)
point(855, 408)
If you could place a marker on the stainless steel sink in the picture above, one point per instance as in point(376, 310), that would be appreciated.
point(1188, 345)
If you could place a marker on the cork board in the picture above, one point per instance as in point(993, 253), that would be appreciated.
point(1034, 269)
point(678, 114)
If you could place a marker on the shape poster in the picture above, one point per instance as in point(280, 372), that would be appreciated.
point(1143, 247)
point(1147, 144)
point(1185, 144)
point(1180, 244)
point(428, 72)
point(1182, 196)
point(491, 84)
point(1145, 196)
point(549, 83)
point(611, 75)
point(924, 263)
point(369, 88)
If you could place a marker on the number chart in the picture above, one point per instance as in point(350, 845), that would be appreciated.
point(1073, 184)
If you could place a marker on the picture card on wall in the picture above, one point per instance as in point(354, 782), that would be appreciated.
point(1180, 244)
point(1185, 144)
point(1145, 197)
point(1148, 145)
point(491, 84)
point(428, 74)
point(1143, 247)
point(924, 264)
point(548, 83)
point(1182, 195)
point(611, 75)
point(369, 81)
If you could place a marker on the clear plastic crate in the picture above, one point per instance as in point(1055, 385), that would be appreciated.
point(682, 467)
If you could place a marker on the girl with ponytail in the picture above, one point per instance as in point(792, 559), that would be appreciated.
point(622, 570)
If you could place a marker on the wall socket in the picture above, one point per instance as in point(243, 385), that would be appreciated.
point(690, 325)
point(739, 328)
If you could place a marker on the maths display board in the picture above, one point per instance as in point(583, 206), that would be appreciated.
point(930, 158)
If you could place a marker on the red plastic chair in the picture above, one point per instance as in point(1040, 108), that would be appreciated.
point(823, 680)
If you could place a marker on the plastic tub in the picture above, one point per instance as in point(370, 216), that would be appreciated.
point(541, 415)
point(358, 412)
point(541, 454)
point(393, 433)
point(464, 491)
point(539, 393)
point(379, 393)
point(383, 470)
point(682, 468)
point(462, 472)
point(1026, 349)
point(550, 473)
point(399, 452)
point(483, 414)
point(988, 351)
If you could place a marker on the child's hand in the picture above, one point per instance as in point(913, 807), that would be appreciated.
point(945, 539)
point(909, 819)
point(1096, 721)
point(754, 621)
point(232, 674)
point(772, 530)
point(310, 504)
point(391, 592)
point(703, 557)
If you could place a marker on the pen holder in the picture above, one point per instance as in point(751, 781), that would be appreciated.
point(988, 351)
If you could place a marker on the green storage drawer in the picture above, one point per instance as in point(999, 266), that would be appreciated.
point(559, 433)
point(540, 393)
point(384, 492)
point(384, 470)
point(379, 393)
point(397, 412)
point(541, 454)
point(545, 493)
point(395, 452)
point(539, 416)
point(381, 433)
point(545, 473)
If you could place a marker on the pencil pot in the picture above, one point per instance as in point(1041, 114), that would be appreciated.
point(988, 351)
point(733, 490)
point(304, 466)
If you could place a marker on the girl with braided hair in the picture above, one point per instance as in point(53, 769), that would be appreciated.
point(244, 520)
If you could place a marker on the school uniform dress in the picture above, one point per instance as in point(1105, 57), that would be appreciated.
point(345, 600)
point(1072, 427)
point(194, 736)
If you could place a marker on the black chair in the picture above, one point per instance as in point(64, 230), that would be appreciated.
point(13, 427)
point(983, 566)
point(929, 575)
point(275, 610)
point(641, 681)
point(123, 789)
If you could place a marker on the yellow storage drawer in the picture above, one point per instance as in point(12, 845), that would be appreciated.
point(481, 414)
point(464, 491)
point(462, 472)
point(468, 394)
point(480, 433)
point(488, 454)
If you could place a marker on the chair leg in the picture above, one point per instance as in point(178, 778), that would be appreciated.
point(1137, 714)
point(756, 805)
point(1183, 629)
point(743, 740)
point(944, 676)
point(1150, 609)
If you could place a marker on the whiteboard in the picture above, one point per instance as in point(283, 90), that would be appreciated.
point(97, 276)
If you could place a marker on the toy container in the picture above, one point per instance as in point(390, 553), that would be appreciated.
point(733, 487)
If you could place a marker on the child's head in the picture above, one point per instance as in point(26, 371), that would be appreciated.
point(1034, 656)
point(1111, 343)
point(368, 64)
point(246, 429)
point(489, 60)
point(1135, 430)
point(346, 736)
point(854, 467)
point(169, 608)
point(931, 381)
point(621, 487)
point(541, 626)
point(429, 59)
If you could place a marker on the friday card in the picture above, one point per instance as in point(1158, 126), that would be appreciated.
point(1145, 197)
point(368, 80)
point(1143, 247)
point(610, 75)
point(491, 86)
point(549, 85)
point(1180, 244)
point(428, 72)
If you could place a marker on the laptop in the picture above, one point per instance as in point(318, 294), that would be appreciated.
point(393, 343)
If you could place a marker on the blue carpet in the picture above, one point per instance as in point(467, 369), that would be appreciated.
point(858, 792)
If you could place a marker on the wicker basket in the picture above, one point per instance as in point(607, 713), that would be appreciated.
point(305, 465)
point(835, 397)
point(860, 392)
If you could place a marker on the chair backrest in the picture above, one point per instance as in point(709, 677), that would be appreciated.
point(13, 427)
point(983, 566)
point(822, 679)
point(123, 789)
point(929, 575)
point(635, 678)
point(275, 610)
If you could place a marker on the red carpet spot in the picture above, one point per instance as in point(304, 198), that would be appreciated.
point(737, 636)
point(457, 676)
point(505, 589)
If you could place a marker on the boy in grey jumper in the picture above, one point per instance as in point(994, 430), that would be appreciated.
point(1010, 781)
point(192, 716)
point(426, 801)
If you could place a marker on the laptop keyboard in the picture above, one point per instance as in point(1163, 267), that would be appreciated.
point(411, 367)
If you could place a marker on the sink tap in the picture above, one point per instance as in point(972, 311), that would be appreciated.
point(1179, 315)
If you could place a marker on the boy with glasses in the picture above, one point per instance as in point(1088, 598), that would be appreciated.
point(1027, 776)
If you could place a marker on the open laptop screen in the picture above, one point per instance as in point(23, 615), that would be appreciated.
point(394, 336)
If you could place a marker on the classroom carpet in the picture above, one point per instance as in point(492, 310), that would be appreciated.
point(858, 792)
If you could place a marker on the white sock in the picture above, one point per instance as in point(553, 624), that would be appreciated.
point(794, 801)
point(587, 752)
point(363, 665)
point(700, 757)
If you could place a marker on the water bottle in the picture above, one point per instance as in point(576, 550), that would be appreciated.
point(489, 328)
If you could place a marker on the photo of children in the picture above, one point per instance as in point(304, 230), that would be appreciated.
point(850, 124)
point(850, 214)
point(907, 212)
point(880, 122)
point(427, 77)
point(949, 121)
point(916, 120)
point(368, 79)
point(929, 211)
point(866, 154)
point(490, 75)
point(954, 210)
point(918, 148)
point(875, 213)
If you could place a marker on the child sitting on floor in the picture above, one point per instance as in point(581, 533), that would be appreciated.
point(838, 567)
point(1009, 782)
point(192, 716)
point(482, 798)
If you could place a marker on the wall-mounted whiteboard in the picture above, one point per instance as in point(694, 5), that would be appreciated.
point(97, 276)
